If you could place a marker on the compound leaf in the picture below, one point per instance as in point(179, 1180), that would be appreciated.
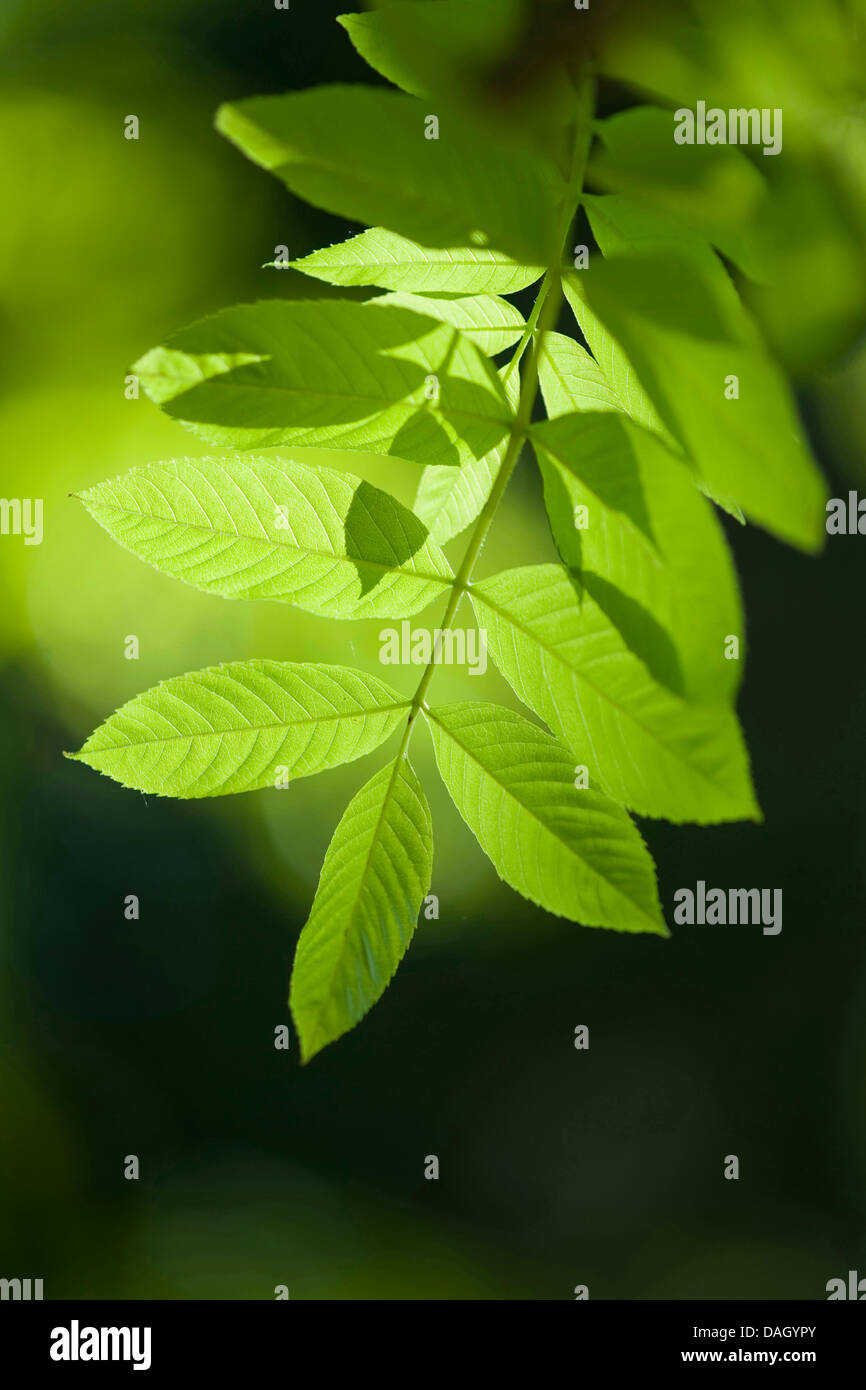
point(571, 850)
point(271, 528)
point(647, 747)
point(241, 726)
point(374, 880)
point(380, 257)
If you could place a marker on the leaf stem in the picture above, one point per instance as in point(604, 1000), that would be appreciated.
point(545, 312)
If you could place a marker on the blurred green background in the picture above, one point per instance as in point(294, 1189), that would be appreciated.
point(155, 1037)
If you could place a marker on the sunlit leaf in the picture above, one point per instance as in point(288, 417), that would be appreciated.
point(567, 848)
point(241, 726)
point(615, 368)
point(697, 356)
point(449, 499)
point(380, 257)
point(571, 379)
point(628, 519)
point(373, 883)
point(271, 528)
point(368, 376)
point(489, 322)
point(647, 747)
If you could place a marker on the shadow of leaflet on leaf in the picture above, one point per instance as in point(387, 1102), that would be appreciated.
point(462, 404)
point(599, 450)
point(368, 546)
point(641, 629)
point(335, 372)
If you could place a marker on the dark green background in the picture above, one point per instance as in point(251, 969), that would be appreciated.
point(155, 1037)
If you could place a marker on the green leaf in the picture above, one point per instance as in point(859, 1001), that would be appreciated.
point(374, 880)
point(570, 379)
point(625, 226)
point(647, 747)
point(647, 547)
point(367, 376)
point(272, 528)
point(715, 190)
point(448, 499)
point(489, 322)
point(241, 726)
point(622, 226)
point(676, 318)
point(572, 851)
point(361, 152)
point(615, 368)
point(424, 48)
point(464, 52)
point(380, 257)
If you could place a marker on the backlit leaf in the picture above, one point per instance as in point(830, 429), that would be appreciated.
point(489, 322)
point(571, 379)
point(647, 747)
point(272, 528)
point(369, 376)
point(380, 257)
point(569, 849)
point(362, 152)
point(616, 369)
point(244, 725)
point(628, 519)
point(374, 880)
point(698, 358)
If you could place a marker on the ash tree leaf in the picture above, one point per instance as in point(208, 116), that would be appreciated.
point(379, 257)
point(573, 380)
point(648, 748)
point(449, 499)
point(424, 48)
point(616, 370)
point(571, 850)
point(361, 152)
point(698, 357)
point(627, 518)
point(461, 51)
point(241, 726)
point(715, 190)
point(272, 528)
point(489, 322)
point(368, 376)
point(374, 880)
point(622, 226)
point(570, 379)
point(625, 226)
